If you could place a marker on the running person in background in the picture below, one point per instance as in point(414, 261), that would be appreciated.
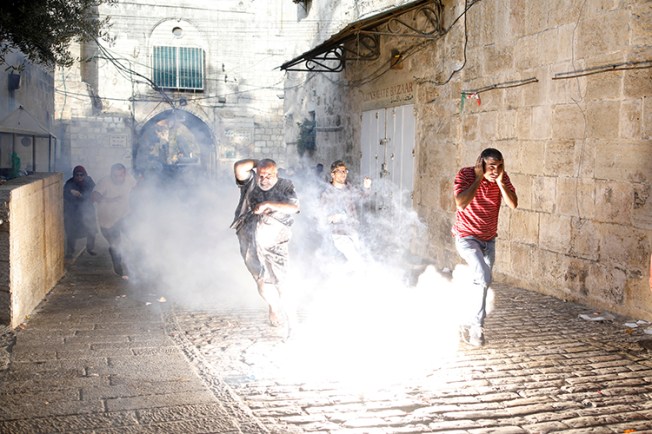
point(479, 191)
point(112, 197)
point(339, 207)
point(263, 221)
point(79, 211)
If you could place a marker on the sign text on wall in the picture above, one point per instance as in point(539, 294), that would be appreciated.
point(395, 93)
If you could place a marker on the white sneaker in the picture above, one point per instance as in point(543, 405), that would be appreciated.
point(476, 336)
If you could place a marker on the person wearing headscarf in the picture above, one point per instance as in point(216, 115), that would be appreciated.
point(79, 211)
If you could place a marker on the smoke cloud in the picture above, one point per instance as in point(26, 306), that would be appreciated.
point(391, 304)
point(179, 242)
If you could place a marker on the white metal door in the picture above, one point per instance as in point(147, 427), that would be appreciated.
point(387, 142)
point(373, 131)
point(399, 156)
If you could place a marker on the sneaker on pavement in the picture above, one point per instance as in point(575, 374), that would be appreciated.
point(476, 336)
point(464, 334)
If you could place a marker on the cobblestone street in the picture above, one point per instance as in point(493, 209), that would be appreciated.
point(543, 370)
point(101, 355)
point(326, 217)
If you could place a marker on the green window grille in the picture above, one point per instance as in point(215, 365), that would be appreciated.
point(178, 68)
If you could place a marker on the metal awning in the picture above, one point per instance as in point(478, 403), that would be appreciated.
point(20, 122)
point(332, 54)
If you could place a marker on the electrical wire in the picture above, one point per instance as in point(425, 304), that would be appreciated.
point(623, 66)
point(504, 85)
point(134, 76)
point(410, 51)
point(414, 49)
point(187, 98)
point(121, 68)
point(129, 72)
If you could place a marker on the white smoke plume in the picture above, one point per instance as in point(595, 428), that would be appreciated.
point(395, 306)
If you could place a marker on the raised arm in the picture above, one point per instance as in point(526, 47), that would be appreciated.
point(242, 169)
point(509, 196)
point(465, 197)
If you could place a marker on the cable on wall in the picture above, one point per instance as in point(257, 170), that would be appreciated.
point(643, 64)
point(474, 94)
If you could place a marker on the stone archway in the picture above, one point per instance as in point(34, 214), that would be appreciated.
point(172, 141)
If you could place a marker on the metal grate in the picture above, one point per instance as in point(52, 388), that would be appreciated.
point(178, 68)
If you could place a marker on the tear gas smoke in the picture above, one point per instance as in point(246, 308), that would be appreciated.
point(179, 242)
point(360, 321)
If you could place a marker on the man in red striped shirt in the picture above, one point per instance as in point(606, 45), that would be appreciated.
point(479, 191)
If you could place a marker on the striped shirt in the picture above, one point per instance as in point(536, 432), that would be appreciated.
point(480, 217)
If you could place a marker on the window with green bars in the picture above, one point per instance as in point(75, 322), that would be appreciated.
point(178, 68)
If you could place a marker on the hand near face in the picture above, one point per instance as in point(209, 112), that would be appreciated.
point(479, 168)
point(501, 172)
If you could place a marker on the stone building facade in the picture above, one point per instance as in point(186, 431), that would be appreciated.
point(30, 86)
point(182, 85)
point(31, 207)
point(563, 90)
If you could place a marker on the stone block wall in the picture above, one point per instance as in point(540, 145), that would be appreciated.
point(102, 101)
point(36, 92)
point(31, 243)
point(97, 143)
point(577, 148)
point(577, 145)
point(268, 133)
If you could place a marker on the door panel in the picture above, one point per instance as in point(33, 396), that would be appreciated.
point(373, 130)
point(387, 143)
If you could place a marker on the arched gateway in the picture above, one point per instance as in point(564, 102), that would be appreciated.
point(174, 141)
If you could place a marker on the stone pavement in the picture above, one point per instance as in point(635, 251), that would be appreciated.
point(96, 357)
point(103, 355)
point(543, 370)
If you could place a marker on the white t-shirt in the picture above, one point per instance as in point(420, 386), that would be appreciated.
point(114, 204)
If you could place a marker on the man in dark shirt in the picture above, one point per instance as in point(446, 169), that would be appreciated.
point(263, 221)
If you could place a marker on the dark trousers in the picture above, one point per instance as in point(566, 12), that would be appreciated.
point(114, 236)
point(71, 241)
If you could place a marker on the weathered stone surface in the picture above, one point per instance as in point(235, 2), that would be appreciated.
point(555, 232)
point(524, 227)
point(107, 366)
point(544, 190)
point(543, 369)
point(561, 158)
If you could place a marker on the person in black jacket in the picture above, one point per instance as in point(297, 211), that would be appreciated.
point(78, 211)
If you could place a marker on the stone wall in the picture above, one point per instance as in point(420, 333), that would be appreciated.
point(36, 96)
point(577, 145)
point(267, 136)
point(112, 96)
point(97, 143)
point(577, 148)
point(35, 93)
point(31, 243)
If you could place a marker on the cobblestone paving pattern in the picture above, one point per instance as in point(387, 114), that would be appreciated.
point(543, 370)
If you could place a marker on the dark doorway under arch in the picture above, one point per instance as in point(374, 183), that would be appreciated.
point(174, 141)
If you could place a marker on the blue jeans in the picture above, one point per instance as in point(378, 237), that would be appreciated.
point(480, 256)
